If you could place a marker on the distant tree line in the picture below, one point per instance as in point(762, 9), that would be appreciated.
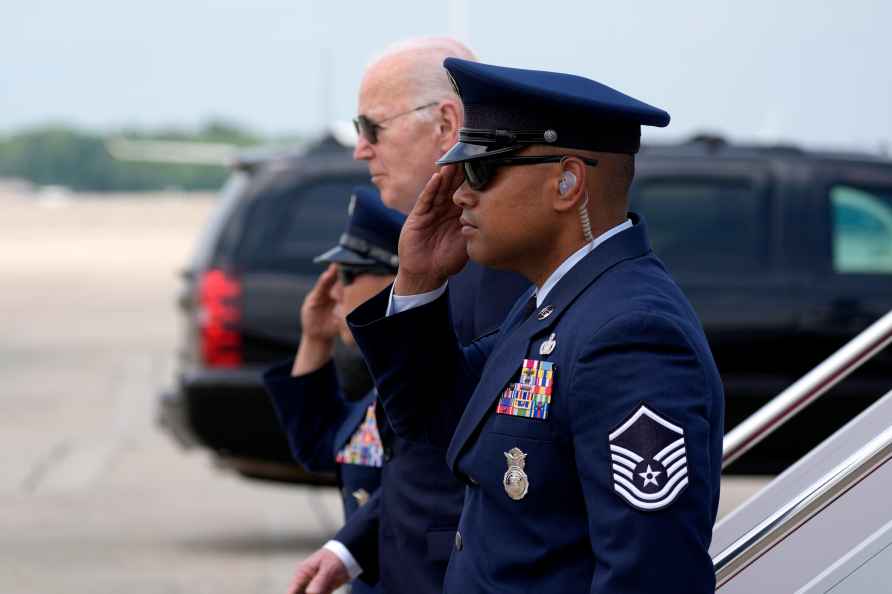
point(60, 155)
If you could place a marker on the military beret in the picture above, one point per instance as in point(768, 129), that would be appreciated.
point(372, 234)
point(509, 108)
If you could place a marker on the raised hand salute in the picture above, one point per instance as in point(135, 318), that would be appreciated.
point(320, 324)
point(432, 247)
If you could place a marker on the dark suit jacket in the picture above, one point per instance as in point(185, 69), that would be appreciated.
point(404, 535)
point(591, 507)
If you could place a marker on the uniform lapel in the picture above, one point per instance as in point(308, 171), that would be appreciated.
point(506, 358)
point(354, 418)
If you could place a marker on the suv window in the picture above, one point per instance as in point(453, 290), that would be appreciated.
point(862, 229)
point(705, 226)
point(287, 229)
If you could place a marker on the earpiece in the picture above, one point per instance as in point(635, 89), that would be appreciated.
point(567, 183)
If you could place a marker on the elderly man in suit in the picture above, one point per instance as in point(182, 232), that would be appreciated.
point(409, 115)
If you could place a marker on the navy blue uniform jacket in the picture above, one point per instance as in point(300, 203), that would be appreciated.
point(318, 422)
point(403, 536)
point(625, 338)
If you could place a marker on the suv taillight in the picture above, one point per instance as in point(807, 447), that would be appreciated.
point(218, 317)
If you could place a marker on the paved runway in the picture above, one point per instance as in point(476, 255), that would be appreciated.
point(93, 497)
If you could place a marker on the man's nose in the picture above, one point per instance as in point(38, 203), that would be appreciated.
point(465, 197)
point(363, 150)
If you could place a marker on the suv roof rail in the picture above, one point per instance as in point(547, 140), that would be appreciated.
point(249, 159)
point(789, 149)
point(713, 143)
point(328, 143)
point(710, 142)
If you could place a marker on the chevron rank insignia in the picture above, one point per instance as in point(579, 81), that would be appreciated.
point(648, 459)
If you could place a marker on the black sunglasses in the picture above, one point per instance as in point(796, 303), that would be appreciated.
point(368, 128)
point(348, 273)
point(479, 172)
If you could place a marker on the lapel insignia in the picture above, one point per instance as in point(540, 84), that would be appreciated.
point(515, 480)
point(547, 347)
point(545, 312)
point(649, 460)
point(361, 496)
point(531, 396)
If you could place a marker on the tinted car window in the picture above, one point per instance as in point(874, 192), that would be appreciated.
point(862, 229)
point(286, 230)
point(705, 226)
point(229, 197)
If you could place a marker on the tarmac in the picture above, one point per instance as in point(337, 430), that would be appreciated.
point(94, 498)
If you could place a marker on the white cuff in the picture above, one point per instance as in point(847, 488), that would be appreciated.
point(401, 303)
point(342, 553)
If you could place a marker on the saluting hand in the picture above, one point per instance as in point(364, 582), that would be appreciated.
point(319, 325)
point(431, 245)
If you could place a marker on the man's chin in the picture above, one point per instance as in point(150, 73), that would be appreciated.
point(389, 196)
point(478, 253)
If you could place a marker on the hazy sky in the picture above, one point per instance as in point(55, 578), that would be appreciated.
point(817, 73)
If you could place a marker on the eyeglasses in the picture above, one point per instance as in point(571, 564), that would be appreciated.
point(479, 172)
point(368, 128)
point(347, 274)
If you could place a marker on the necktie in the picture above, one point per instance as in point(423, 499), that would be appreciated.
point(529, 307)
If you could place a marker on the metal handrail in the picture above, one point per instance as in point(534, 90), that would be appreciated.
point(752, 545)
point(815, 383)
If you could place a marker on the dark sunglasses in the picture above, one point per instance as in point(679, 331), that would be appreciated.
point(368, 128)
point(479, 172)
point(347, 273)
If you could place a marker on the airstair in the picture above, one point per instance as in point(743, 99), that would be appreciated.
point(825, 524)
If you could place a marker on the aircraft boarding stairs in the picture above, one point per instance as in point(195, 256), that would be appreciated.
point(825, 524)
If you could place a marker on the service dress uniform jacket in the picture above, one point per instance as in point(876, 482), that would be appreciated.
point(319, 423)
point(403, 536)
point(588, 432)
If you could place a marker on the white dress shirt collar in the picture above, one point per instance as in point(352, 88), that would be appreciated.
point(575, 257)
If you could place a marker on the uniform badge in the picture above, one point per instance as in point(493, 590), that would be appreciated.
point(547, 347)
point(545, 312)
point(515, 480)
point(649, 460)
point(361, 496)
point(531, 396)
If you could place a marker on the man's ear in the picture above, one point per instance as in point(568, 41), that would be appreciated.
point(569, 187)
point(448, 123)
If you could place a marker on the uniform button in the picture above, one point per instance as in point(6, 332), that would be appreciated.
point(472, 480)
point(458, 543)
point(388, 453)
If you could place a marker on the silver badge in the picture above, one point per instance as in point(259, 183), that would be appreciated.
point(550, 135)
point(515, 480)
point(547, 347)
point(361, 496)
point(545, 311)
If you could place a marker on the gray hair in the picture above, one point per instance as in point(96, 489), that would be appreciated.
point(427, 80)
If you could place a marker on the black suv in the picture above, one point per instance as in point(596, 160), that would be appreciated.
point(786, 255)
point(241, 303)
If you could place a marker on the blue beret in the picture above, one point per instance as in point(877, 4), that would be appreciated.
point(509, 108)
point(372, 234)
